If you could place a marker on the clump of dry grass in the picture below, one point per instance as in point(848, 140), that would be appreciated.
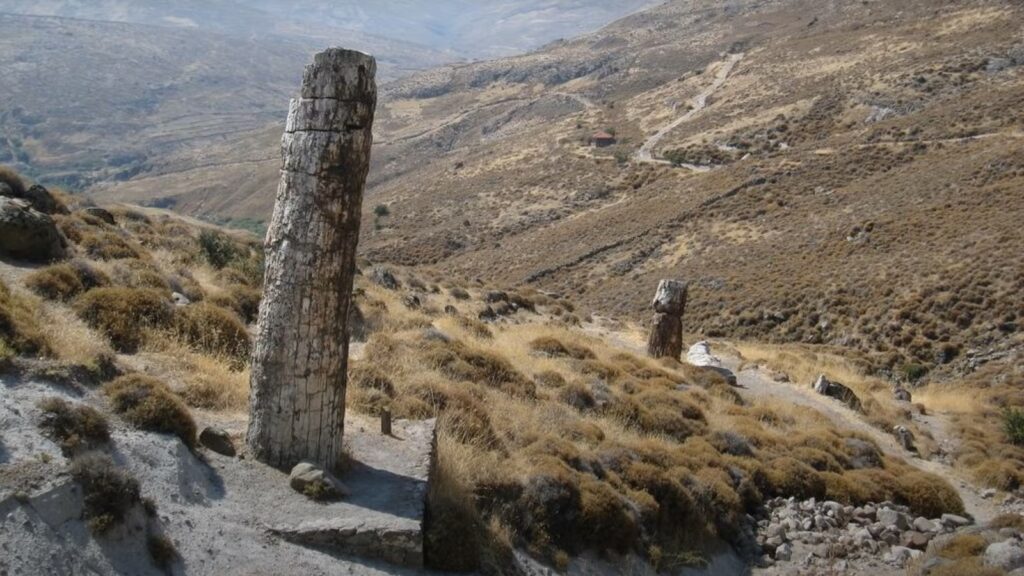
point(74, 426)
point(20, 330)
point(554, 348)
point(106, 245)
point(213, 330)
point(63, 282)
point(13, 180)
point(125, 314)
point(149, 404)
point(109, 492)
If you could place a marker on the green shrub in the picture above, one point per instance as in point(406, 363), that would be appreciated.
point(73, 426)
point(123, 314)
point(217, 248)
point(149, 404)
point(1013, 425)
point(108, 492)
point(214, 330)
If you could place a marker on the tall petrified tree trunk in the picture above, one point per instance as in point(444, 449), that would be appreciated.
point(300, 357)
point(666, 340)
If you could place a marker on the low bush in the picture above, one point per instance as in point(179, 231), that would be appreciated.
point(141, 274)
point(161, 550)
point(928, 495)
point(63, 282)
point(58, 282)
point(149, 404)
point(555, 348)
point(20, 332)
point(217, 248)
point(109, 246)
point(963, 546)
point(245, 301)
point(73, 426)
point(124, 314)
point(790, 477)
point(964, 567)
point(1013, 425)
point(460, 362)
point(109, 493)
point(213, 330)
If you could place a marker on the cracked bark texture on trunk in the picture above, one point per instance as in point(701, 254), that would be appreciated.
point(666, 339)
point(300, 355)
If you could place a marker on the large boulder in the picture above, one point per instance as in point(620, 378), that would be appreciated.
point(1007, 556)
point(700, 355)
point(42, 200)
point(28, 234)
point(826, 387)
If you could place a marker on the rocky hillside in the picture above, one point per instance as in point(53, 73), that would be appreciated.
point(124, 338)
point(838, 174)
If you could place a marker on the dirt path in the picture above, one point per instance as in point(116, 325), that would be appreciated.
point(646, 152)
point(756, 384)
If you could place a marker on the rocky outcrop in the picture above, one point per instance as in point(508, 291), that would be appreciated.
point(27, 234)
point(101, 213)
point(666, 339)
point(217, 440)
point(826, 387)
point(829, 537)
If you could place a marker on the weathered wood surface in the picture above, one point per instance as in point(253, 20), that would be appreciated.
point(666, 339)
point(300, 357)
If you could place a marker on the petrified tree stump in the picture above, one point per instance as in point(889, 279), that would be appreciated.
point(300, 357)
point(666, 340)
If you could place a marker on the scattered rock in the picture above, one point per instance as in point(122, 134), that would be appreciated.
point(954, 521)
point(1008, 555)
point(42, 200)
point(988, 493)
point(905, 437)
point(316, 483)
point(384, 278)
point(826, 387)
point(217, 440)
point(925, 525)
point(893, 519)
point(412, 302)
point(101, 213)
point(27, 234)
point(180, 299)
point(451, 310)
point(495, 296)
point(901, 394)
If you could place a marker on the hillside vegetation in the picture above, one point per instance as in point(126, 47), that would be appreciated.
point(551, 438)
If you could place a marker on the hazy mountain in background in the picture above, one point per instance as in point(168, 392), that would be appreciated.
point(106, 90)
point(470, 29)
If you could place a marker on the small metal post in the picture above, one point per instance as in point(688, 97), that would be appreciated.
point(385, 422)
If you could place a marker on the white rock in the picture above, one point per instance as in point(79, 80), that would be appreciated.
point(1006, 555)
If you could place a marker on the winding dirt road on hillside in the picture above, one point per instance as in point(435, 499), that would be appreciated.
point(757, 384)
point(646, 152)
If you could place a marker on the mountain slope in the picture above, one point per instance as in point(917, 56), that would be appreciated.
point(865, 158)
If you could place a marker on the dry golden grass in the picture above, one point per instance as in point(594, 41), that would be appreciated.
point(73, 341)
point(634, 459)
point(203, 381)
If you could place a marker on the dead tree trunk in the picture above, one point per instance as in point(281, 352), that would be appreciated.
point(300, 357)
point(666, 340)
